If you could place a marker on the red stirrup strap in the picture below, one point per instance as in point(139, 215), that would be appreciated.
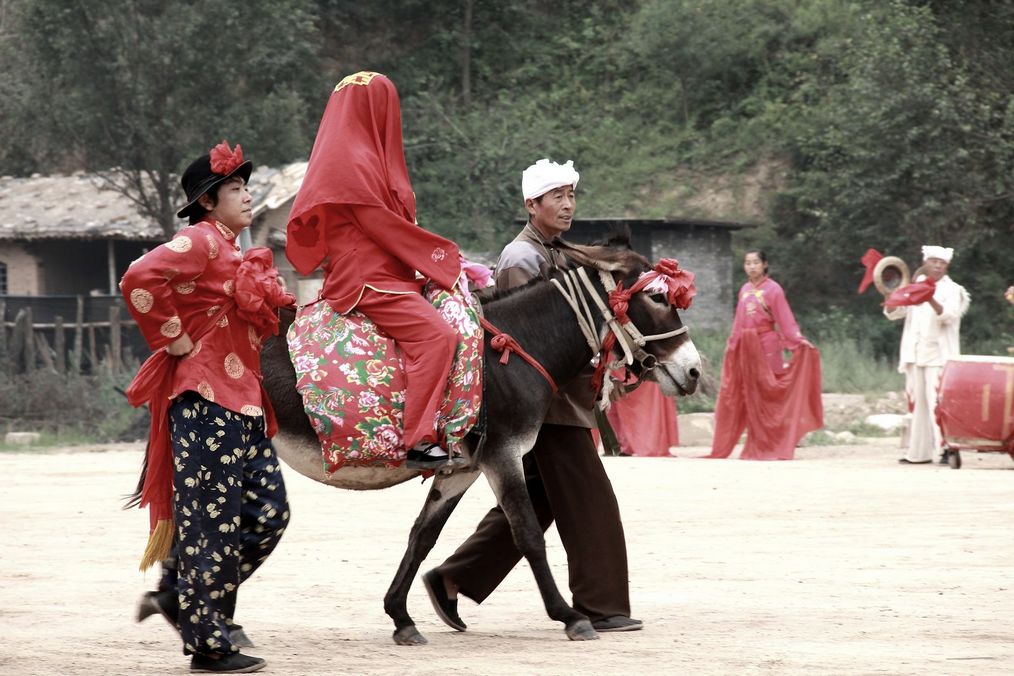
point(505, 344)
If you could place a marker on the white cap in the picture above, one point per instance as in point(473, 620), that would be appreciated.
point(544, 176)
point(943, 253)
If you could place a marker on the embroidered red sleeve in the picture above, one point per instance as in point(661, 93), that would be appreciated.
point(153, 281)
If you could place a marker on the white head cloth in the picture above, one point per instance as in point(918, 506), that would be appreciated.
point(544, 176)
point(943, 253)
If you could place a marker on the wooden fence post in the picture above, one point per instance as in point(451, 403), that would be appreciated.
point(78, 336)
point(5, 356)
point(93, 356)
point(29, 341)
point(116, 358)
point(17, 341)
point(60, 345)
point(45, 353)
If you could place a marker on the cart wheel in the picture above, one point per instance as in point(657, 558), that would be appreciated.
point(954, 459)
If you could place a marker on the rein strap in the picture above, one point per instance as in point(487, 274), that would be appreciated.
point(505, 344)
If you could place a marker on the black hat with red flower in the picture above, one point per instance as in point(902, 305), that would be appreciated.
point(209, 170)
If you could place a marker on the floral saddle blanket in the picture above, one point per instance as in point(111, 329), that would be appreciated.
point(352, 381)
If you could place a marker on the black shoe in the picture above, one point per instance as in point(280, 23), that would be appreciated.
point(943, 458)
point(433, 458)
point(233, 663)
point(906, 461)
point(164, 602)
point(618, 623)
point(447, 609)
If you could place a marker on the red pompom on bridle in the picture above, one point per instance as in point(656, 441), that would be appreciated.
point(224, 160)
point(667, 278)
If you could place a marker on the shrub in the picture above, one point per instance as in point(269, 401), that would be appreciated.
point(71, 408)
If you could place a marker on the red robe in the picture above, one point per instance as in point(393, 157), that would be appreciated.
point(777, 404)
point(644, 422)
point(763, 307)
point(176, 287)
point(356, 206)
point(356, 209)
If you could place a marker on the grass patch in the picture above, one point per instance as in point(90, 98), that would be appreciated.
point(820, 437)
point(70, 409)
point(849, 367)
point(48, 440)
point(861, 428)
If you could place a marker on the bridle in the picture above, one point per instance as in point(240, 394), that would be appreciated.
point(576, 288)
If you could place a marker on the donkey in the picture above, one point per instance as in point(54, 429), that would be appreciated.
point(541, 317)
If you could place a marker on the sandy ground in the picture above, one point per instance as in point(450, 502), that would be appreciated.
point(842, 562)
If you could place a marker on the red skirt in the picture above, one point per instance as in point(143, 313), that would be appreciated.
point(776, 410)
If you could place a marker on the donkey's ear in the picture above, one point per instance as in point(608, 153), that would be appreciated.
point(619, 236)
point(606, 258)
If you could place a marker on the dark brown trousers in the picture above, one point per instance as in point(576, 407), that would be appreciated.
point(566, 480)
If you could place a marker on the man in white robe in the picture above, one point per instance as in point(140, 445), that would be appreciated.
point(930, 337)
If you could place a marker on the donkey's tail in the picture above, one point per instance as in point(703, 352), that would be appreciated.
point(134, 499)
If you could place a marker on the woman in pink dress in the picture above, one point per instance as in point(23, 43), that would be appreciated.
point(775, 401)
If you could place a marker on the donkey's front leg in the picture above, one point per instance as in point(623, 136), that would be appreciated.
point(441, 500)
point(506, 477)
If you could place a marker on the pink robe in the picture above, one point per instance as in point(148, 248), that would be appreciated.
point(776, 403)
point(763, 308)
point(644, 422)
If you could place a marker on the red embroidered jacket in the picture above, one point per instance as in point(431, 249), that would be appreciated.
point(177, 287)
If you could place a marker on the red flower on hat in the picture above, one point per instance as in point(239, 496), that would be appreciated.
point(224, 160)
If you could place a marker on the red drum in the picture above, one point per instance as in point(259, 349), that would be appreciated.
point(975, 406)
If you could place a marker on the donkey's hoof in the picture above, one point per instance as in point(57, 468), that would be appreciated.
point(582, 630)
point(409, 636)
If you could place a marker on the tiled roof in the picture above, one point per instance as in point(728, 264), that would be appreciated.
point(271, 188)
point(74, 206)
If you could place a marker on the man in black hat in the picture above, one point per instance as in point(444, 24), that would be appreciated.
point(213, 482)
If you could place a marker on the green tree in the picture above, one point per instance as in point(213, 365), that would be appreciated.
point(19, 145)
point(131, 89)
point(897, 150)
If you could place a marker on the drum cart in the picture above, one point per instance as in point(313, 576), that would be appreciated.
point(975, 406)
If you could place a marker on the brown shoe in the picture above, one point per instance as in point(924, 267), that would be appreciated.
point(447, 609)
point(618, 623)
point(233, 663)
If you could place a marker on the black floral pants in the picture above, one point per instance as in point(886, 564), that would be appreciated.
point(230, 510)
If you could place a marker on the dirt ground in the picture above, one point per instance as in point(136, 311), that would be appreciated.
point(841, 562)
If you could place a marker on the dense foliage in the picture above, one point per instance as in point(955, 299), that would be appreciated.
point(883, 123)
point(134, 88)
